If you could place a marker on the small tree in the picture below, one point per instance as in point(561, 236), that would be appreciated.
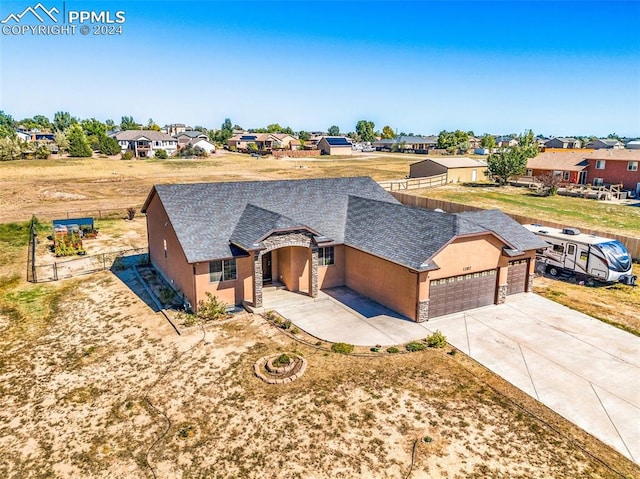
point(252, 147)
point(211, 308)
point(488, 141)
point(334, 130)
point(388, 133)
point(108, 145)
point(161, 154)
point(549, 182)
point(78, 143)
point(365, 130)
point(10, 149)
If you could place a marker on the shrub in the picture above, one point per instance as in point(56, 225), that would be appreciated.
point(286, 324)
point(393, 350)
point(437, 340)
point(414, 346)
point(127, 155)
point(342, 348)
point(282, 360)
point(131, 213)
point(161, 154)
point(211, 309)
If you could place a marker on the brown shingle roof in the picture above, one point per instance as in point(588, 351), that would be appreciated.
point(561, 161)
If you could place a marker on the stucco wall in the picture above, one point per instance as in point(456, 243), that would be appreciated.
point(465, 175)
point(293, 268)
point(332, 275)
point(174, 267)
point(387, 283)
point(468, 255)
point(231, 292)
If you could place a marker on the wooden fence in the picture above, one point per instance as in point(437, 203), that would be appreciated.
point(632, 244)
point(414, 183)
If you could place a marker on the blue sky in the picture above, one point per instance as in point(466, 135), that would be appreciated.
point(559, 68)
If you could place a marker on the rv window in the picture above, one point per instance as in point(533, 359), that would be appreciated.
point(584, 255)
point(571, 249)
point(558, 248)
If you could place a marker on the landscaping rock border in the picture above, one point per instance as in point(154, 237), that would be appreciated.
point(273, 375)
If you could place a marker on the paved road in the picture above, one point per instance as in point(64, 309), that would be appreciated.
point(585, 370)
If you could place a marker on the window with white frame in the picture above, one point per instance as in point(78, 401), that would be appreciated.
point(598, 181)
point(632, 166)
point(222, 270)
point(600, 164)
point(565, 177)
point(326, 256)
point(529, 172)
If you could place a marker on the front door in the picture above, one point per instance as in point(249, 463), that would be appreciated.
point(570, 256)
point(474, 175)
point(582, 178)
point(266, 268)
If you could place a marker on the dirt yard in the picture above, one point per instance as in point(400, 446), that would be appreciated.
point(97, 385)
point(93, 383)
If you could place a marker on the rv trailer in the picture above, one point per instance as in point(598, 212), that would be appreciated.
point(576, 253)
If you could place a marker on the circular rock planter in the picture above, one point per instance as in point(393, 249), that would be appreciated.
point(275, 369)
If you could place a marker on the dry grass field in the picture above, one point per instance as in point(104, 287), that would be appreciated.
point(47, 187)
point(93, 383)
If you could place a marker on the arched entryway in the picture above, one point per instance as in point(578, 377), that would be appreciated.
point(293, 261)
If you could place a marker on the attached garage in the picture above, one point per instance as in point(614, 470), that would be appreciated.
point(459, 293)
point(517, 276)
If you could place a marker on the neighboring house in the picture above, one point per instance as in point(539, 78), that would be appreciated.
point(34, 136)
point(457, 169)
point(505, 141)
point(206, 145)
point(175, 129)
point(614, 167)
point(265, 142)
point(232, 239)
point(407, 144)
point(474, 142)
point(605, 145)
point(23, 135)
point(633, 145)
point(603, 167)
point(570, 143)
point(144, 143)
point(570, 166)
point(334, 145)
point(187, 136)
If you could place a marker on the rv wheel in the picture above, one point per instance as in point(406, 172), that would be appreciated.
point(553, 271)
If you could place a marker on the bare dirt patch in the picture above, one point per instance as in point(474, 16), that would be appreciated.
point(99, 386)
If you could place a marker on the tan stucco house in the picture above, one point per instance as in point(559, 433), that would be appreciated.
point(231, 239)
point(457, 169)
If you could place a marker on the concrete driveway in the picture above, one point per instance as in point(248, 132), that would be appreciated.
point(585, 370)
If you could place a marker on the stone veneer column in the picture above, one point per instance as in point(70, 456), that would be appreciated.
point(423, 311)
point(257, 280)
point(314, 272)
point(530, 283)
point(502, 293)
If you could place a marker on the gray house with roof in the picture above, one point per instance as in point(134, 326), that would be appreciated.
point(232, 239)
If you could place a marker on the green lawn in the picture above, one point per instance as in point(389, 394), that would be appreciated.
point(578, 212)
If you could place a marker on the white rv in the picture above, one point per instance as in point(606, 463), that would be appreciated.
point(573, 252)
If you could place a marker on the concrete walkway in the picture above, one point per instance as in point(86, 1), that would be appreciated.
point(585, 370)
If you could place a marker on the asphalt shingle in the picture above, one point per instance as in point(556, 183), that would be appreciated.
point(222, 220)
